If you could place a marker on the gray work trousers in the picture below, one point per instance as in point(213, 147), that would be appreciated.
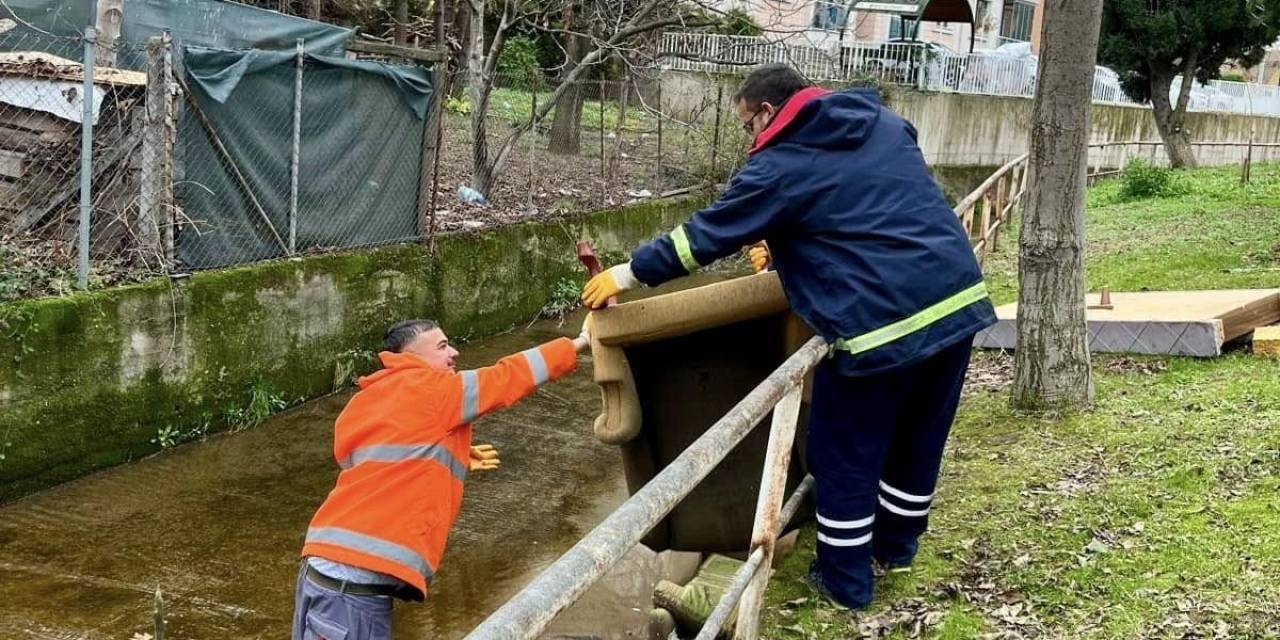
point(321, 613)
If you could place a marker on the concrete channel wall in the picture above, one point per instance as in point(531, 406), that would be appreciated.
point(966, 130)
point(96, 379)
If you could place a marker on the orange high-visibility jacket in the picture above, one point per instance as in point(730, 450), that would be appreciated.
point(403, 442)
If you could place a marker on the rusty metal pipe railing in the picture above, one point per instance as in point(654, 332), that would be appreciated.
point(741, 579)
point(743, 576)
point(561, 584)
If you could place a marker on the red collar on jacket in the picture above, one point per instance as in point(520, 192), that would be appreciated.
point(788, 113)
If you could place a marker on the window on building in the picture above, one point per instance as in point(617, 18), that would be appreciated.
point(828, 15)
point(1015, 24)
point(903, 28)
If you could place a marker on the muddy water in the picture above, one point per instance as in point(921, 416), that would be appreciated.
point(218, 524)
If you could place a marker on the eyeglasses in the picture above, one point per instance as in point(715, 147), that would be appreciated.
point(746, 126)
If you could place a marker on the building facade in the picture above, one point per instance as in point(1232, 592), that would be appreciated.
point(824, 23)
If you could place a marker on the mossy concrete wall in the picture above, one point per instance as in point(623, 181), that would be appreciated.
point(100, 378)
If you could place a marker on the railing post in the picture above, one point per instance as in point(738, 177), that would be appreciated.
point(1002, 185)
point(295, 158)
point(86, 159)
point(773, 488)
point(559, 585)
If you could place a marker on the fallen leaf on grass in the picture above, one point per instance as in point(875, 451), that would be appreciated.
point(1097, 546)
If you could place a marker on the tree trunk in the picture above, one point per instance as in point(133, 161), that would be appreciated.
point(478, 89)
point(1171, 118)
point(402, 22)
point(484, 175)
point(315, 9)
point(1052, 368)
point(459, 41)
point(566, 126)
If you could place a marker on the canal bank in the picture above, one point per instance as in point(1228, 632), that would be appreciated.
point(92, 380)
point(218, 525)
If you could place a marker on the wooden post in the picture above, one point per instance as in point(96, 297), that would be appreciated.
point(984, 226)
point(158, 615)
point(1001, 186)
point(159, 136)
point(1248, 162)
point(110, 17)
point(604, 181)
point(773, 489)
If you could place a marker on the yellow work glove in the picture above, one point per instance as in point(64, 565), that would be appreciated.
point(484, 458)
point(760, 257)
point(607, 284)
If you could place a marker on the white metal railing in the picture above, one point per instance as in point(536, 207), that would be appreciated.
point(931, 68)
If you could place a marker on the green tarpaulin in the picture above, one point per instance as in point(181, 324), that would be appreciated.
point(360, 154)
point(207, 23)
point(228, 25)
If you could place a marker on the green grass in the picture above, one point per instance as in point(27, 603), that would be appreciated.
point(1155, 515)
point(513, 105)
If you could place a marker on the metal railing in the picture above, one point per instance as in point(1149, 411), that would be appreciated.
point(933, 68)
point(983, 213)
point(557, 587)
point(989, 206)
point(1107, 159)
point(561, 584)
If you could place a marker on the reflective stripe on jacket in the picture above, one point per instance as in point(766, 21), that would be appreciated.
point(870, 254)
point(403, 444)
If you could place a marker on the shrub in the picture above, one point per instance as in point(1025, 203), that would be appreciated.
point(563, 300)
point(1142, 179)
point(519, 58)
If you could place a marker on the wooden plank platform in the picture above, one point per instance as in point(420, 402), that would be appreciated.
point(1181, 323)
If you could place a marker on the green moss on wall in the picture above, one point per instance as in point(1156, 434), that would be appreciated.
point(96, 379)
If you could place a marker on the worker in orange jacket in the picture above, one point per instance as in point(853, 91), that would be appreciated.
point(404, 445)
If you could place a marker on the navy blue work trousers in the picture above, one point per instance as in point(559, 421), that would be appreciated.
point(874, 448)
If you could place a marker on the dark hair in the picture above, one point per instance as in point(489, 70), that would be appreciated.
point(772, 83)
point(402, 333)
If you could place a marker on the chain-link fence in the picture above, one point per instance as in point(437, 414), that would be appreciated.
point(594, 143)
point(44, 108)
point(285, 152)
point(205, 158)
point(200, 158)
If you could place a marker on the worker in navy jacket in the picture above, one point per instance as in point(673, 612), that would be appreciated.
point(872, 257)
